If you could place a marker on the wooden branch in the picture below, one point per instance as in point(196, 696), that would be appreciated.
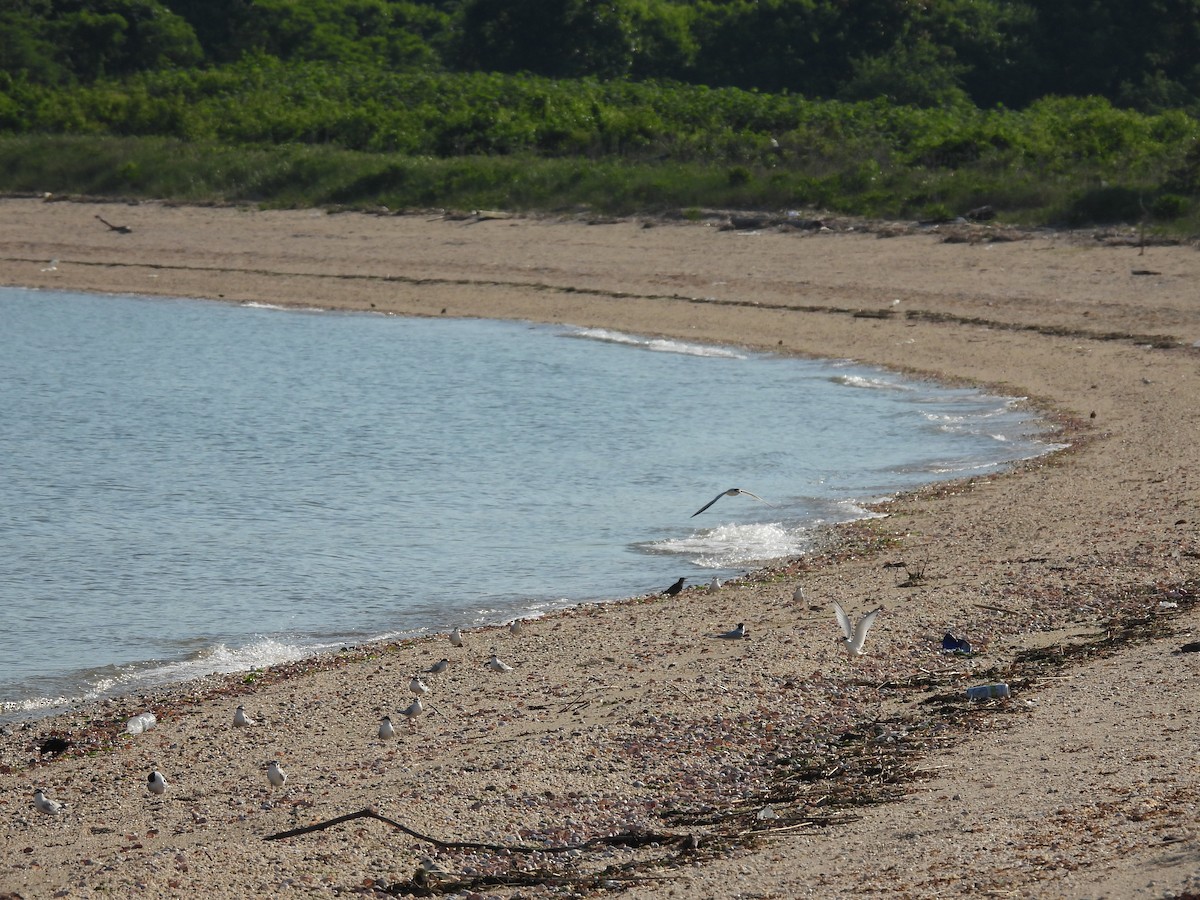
point(624, 839)
point(370, 813)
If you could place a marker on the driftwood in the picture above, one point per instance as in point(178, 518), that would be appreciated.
point(119, 229)
point(624, 839)
point(427, 883)
point(424, 884)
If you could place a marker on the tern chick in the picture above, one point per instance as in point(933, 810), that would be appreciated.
point(856, 635)
point(732, 492)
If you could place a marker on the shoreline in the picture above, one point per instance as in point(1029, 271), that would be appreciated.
point(1060, 546)
point(137, 678)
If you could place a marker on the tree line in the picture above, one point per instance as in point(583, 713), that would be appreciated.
point(1138, 54)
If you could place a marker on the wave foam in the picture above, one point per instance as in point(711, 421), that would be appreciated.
point(218, 659)
point(735, 546)
point(876, 383)
point(222, 659)
point(257, 304)
point(660, 345)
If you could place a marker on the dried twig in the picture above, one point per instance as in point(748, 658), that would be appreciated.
point(577, 702)
point(1000, 609)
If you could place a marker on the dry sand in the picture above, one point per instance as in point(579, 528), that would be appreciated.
point(632, 716)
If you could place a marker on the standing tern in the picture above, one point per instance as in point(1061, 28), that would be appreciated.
point(45, 804)
point(413, 710)
point(155, 782)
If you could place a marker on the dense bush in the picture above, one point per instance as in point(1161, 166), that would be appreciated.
point(1135, 53)
point(882, 107)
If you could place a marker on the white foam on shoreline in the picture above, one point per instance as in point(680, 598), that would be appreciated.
point(879, 382)
point(729, 546)
point(217, 659)
point(659, 345)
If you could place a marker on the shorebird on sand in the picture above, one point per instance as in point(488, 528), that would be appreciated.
point(155, 782)
point(385, 728)
point(498, 665)
point(735, 634)
point(439, 667)
point(413, 710)
point(675, 588)
point(240, 719)
point(456, 638)
point(45, 804)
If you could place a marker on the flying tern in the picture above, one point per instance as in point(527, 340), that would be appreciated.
point(856, 634)
point(732, 492)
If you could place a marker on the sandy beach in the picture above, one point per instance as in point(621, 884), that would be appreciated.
point(630, 750)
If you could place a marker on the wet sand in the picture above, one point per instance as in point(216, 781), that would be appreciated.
point(634, 716)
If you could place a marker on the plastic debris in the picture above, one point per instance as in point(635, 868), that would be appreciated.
point(988, 691)
point(952, 644)
point(141, 722)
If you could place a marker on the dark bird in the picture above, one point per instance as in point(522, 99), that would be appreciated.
point(54, 744)
point(675, 588)
point(119, 229)
point(732, 492)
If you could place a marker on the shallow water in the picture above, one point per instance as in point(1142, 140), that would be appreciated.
point(193, 487)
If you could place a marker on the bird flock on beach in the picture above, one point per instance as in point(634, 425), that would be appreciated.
point(852, 641)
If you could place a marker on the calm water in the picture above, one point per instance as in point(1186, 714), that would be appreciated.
point(192, 487)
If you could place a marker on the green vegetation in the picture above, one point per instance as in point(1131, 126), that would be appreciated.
point(880, 108)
